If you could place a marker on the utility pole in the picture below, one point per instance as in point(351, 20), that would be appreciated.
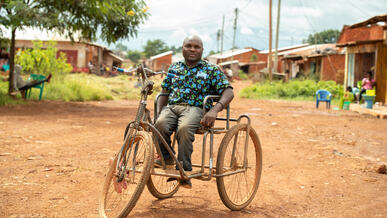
point(269, 57)
point(276, 38)
point(235, 28)
point(222, 35)
point(218, 35)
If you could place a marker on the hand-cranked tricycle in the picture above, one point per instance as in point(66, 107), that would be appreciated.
point(237, 171)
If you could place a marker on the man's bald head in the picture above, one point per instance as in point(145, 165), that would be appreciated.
point(192, 50)
point(193, 38)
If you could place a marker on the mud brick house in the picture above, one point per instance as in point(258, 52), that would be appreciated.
point(265, 53)
point(324, 61)
point(248, 60)
point(366, 49)
point(78, 54)
point(160, 62)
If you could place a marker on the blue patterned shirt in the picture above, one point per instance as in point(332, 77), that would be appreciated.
point(192, 85)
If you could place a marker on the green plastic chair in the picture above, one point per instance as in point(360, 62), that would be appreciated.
point(39, 86)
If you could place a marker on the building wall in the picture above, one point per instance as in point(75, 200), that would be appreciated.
point(381, 73)
point(70, 47)
point(360, 34)
point(244, 57)
point(333, 68)
point(162, 63)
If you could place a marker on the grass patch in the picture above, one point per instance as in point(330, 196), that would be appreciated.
point(5, 99)
point(293, 90)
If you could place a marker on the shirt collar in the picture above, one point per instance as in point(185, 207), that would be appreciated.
point(200, 63)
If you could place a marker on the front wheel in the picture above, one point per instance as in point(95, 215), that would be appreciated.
point(117, 199)
point(239, 173)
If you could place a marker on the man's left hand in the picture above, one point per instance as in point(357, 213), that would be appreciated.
point(209, 118)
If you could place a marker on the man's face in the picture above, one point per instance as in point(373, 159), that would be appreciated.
point(192, 50)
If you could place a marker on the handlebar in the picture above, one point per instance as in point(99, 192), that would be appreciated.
point(147, 71)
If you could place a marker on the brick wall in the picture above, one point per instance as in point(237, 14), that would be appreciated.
point(333, 67)
point(162, 63)
point(360, 34)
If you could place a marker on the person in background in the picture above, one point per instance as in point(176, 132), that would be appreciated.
point(368, 83)
point(22, 85)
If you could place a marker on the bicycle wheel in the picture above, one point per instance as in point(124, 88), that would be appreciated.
point(118, 199)
point(160, 188)
point(237, 189)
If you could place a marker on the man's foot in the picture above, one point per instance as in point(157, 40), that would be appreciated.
point(48, 78)
point(158, 163)
point(186, 183)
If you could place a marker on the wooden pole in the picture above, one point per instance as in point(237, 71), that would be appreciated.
point(276, 38)
point(269, 57)
point(235, 28)
point(221, 39)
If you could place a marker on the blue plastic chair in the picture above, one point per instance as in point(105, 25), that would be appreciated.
point(324, 96)
point(40, 86)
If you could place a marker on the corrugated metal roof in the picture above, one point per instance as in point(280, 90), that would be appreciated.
point(230, 53)
point(308, 50)
point(161, 55)
point(285, 48)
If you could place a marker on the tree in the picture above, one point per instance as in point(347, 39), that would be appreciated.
point(326, 36)
point(114, 19)
point(121, 47)
point(175, 49)
point(134, 56)
point(212, 52)
point(154, 47)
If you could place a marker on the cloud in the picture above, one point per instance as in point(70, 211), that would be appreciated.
point(246, 31)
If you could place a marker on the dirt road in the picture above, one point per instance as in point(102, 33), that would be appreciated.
point(316, 162)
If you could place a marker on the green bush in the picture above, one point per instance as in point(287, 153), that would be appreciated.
point(243, 75)
point(296, 89)
point(44, 61)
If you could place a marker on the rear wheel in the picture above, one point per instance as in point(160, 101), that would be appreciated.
point(239, 183)
point(117, 199)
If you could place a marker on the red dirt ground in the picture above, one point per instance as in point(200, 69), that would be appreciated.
point(316, 162)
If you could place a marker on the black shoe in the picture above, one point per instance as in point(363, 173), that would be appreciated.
point(158, 163)
point(186, 183)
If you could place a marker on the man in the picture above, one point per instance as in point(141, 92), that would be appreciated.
point(194, 80)
point(22, 85)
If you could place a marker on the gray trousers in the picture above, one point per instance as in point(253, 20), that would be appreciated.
point(185, 120)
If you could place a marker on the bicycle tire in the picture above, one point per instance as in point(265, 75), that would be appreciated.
point(167, 189)
point(236, 162)
point(142, 139)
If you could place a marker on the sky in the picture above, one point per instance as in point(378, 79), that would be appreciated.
point(172, 20)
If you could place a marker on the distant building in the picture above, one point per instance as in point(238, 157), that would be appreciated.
point(79, 54)
point(366, 50)
point(324, 61)
point(161, 61)
point(247, 59)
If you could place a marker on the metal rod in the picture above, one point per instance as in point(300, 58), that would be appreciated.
point(230, 173)
point(204, 151)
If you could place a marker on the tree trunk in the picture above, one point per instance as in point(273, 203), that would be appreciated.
point(12, 63)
